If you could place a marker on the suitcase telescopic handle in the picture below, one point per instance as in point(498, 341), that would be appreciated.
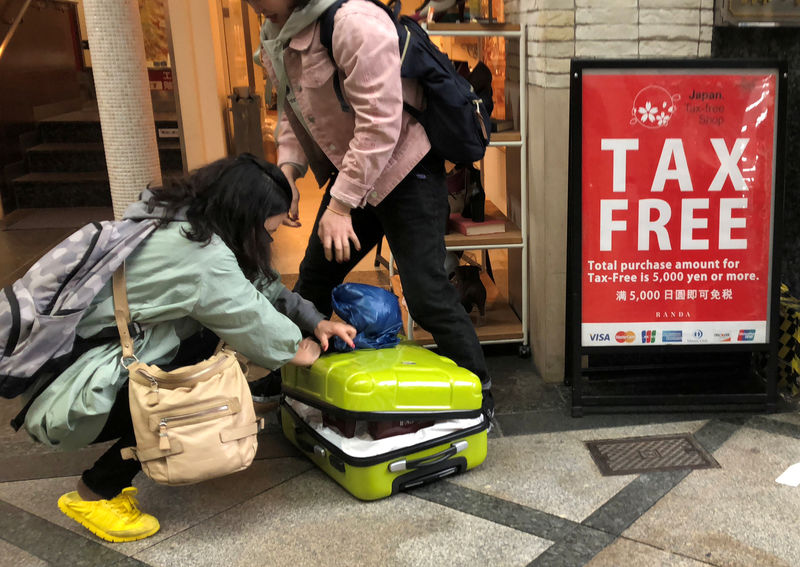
point(404, 465)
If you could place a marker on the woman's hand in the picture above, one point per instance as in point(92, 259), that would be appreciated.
point(326, 329)
point(308, 352)
point(291, 173)
point(336, 232)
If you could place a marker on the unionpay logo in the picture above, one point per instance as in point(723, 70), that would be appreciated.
point(625, 337)
point(649, 337)
point(746, 335)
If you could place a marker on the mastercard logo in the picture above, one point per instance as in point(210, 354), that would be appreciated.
point(625, 337)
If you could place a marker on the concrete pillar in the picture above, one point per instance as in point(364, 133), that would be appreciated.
point(123, 98)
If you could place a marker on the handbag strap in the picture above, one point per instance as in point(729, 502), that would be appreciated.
point(122, 314)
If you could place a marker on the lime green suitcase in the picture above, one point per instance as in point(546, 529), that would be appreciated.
point(404, 384)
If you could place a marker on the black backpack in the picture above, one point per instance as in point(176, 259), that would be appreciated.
point(456, 118)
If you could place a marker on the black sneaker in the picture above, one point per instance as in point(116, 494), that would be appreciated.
point(266, 389)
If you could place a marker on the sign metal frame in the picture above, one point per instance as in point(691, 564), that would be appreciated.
point(656, 377)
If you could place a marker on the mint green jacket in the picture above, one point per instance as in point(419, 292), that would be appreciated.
point(175, 287)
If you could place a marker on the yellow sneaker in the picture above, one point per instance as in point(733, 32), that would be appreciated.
point(117, 520)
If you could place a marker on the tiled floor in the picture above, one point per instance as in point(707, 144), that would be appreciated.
point(538, 500)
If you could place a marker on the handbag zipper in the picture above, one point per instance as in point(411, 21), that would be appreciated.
point(163, 441)
point(214, 366)
point(152, 395)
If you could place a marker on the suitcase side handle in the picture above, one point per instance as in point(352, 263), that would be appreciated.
point(307, 447)
point(404, 465)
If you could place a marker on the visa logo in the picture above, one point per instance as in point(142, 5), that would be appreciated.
point(746, 335)
point(599, 337)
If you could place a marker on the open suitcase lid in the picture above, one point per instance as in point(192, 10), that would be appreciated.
point(406, 379)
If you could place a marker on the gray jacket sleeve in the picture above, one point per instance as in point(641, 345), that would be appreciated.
point(301, 311)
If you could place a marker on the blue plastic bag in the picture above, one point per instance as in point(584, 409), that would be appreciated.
point(373, 311)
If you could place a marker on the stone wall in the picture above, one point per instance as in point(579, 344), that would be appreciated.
point(559, 30)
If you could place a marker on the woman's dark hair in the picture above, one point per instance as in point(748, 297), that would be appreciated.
point(232, 198)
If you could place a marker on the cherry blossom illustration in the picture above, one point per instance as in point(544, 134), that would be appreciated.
point(654, 106)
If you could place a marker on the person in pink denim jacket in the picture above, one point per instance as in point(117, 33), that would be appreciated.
point(382, 177)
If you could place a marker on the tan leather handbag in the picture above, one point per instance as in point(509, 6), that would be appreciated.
point(192, 424)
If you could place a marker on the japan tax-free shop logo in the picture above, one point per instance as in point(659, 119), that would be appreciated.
point(653, 107)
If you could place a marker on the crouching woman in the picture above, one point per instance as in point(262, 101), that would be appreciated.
point(203, 275)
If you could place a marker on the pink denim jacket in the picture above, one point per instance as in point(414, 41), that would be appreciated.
point(374, 145)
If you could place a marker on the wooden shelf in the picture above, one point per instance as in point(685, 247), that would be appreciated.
point(511, 236)
point(472, 27)
point(499, 324)
point(504, 137)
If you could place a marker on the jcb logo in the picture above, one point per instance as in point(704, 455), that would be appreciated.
point(649, 336)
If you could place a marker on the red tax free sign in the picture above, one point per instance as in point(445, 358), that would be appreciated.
point(677, 185)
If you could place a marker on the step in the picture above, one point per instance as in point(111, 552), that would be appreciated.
point(68, 189)
point(83, 126)
point(55, 217)
point(62, 131)
point(90, 156)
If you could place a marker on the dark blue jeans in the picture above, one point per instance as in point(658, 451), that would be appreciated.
point(413, 217)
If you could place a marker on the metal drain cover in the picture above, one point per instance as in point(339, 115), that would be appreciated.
point(649, 454)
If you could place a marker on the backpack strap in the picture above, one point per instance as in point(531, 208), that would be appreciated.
point(16, 323)
point(326, 38)
point(86, 254)
point(326, 27)
point(326, 20)
point(122, 314)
